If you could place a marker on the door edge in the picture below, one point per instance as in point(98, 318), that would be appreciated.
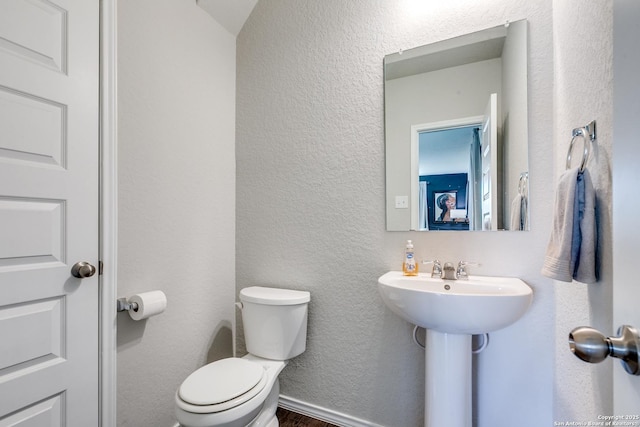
point(108, 213)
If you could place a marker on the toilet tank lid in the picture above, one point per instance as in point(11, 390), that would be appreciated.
point(274, 296)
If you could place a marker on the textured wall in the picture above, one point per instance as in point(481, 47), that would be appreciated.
point(583, 92)
point(176, 72)
point(311, 200)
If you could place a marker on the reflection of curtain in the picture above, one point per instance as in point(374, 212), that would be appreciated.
point(423, 224)
point(474, 194)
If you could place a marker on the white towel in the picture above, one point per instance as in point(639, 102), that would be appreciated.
point(571, 252)
point(516, 213)
point(519, 213)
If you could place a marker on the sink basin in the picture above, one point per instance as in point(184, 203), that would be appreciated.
point(478, 305)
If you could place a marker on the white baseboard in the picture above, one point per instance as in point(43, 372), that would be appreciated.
point(322, 414)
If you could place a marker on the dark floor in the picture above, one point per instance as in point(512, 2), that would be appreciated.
point(292, 419)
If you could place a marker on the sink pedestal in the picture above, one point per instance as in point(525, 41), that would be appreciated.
point(452, 312)
point(448, 379)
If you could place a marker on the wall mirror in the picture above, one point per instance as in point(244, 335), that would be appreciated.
point(456, 133)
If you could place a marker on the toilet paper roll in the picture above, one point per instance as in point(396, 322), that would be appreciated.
point(149, 304)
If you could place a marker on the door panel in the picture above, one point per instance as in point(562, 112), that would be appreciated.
point(35, 228)
point(19, 140)
point(36, 31)
point(48, 212)
point(41, 332)
point(47, 413)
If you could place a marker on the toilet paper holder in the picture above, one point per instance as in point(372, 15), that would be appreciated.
point(143, 305)
point(123, 304)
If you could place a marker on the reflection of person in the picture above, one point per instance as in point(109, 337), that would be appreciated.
point(446, 202)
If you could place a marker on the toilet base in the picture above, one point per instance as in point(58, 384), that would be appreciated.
point(267, 416)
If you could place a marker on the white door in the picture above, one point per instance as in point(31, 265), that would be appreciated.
point(489, 158)
point(48, 212)
point(626, 196)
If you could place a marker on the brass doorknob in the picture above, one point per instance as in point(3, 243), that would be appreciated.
point(82, 270)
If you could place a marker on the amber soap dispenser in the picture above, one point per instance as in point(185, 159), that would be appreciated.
point(409, 265)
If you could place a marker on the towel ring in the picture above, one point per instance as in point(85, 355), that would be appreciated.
point(522, 183)
point(588, 134)
point(585, 154)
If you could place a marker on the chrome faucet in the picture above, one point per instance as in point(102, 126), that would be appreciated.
point(449, 271)
point(462, 272)
point(436, 270)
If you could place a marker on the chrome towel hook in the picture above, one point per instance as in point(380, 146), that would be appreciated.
point(588, 134)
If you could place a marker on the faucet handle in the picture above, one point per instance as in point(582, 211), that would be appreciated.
point(462, 272)
point(436, 271)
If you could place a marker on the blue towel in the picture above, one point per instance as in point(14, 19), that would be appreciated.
point(585, 266)
point(571, 253)
point(578, 214)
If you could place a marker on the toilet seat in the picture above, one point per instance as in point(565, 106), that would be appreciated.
point(221, 385)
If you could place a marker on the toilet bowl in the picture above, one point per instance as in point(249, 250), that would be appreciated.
point(241, 392)
point(230, 393)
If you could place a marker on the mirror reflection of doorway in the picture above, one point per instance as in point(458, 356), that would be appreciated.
point(450, 175)
point(462, 146)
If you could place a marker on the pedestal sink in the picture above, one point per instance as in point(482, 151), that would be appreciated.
point(452, 311)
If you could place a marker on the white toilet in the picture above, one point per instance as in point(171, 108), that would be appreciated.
point(242, 392)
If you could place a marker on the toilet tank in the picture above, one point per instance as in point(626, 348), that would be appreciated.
point(274, 321)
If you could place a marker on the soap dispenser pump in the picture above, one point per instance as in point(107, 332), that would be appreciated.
point(409, 265)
